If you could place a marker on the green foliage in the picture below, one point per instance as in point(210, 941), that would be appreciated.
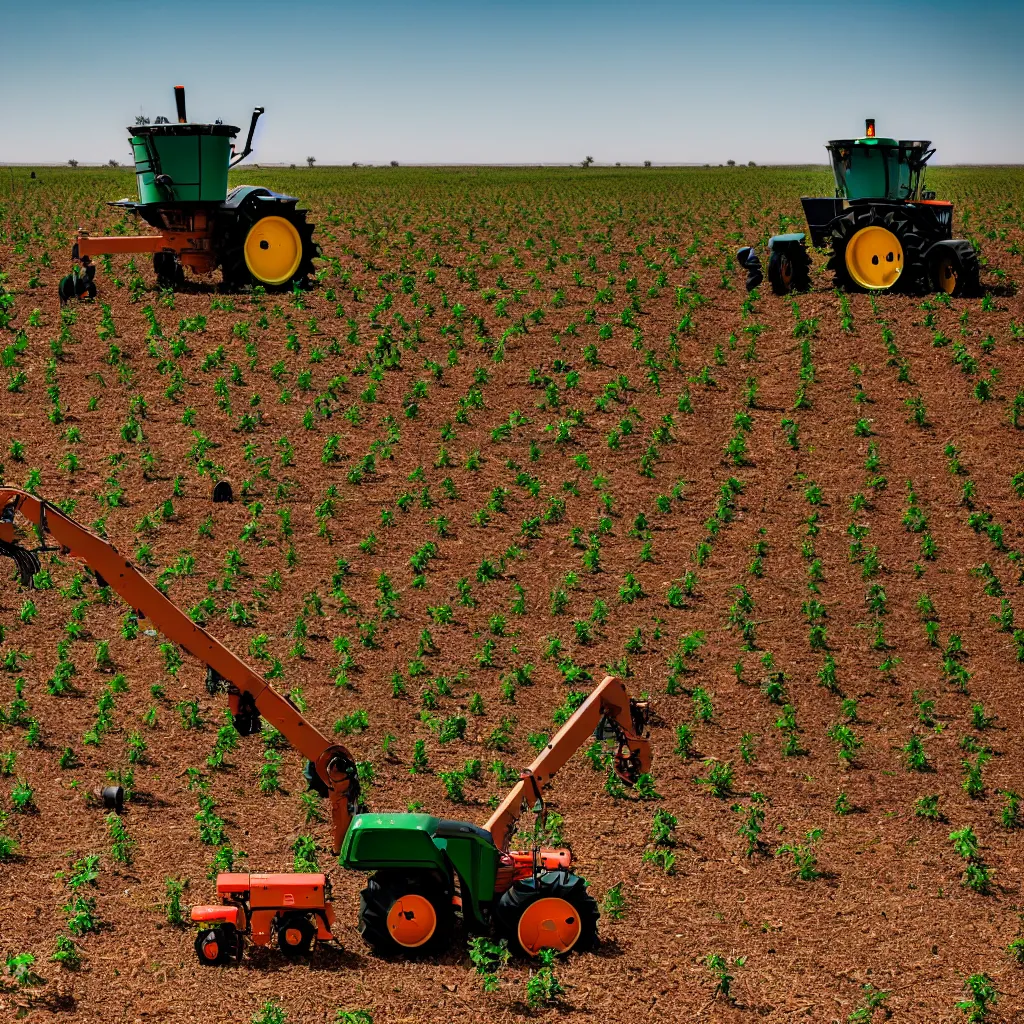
point(805, 861)
point(982, 997)
point(614, 906)
point(543, 988)
point(174, 889)
point(270, 1013)
point(721, 972)
point(488, 959)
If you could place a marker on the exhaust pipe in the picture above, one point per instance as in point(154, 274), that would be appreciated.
point(179, 101)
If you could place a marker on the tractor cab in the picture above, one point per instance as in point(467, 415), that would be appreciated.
point(878, 168)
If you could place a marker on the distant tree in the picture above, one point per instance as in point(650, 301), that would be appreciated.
point(730, 163)
point(354, 164)
point(618, 163)
point(586, 161)
point(751, 164)
point(72, 164)
point(394, 163)
point(293, 167)
point(141, 119)
point(113, 163)
point(647, 163)
point(310, 160)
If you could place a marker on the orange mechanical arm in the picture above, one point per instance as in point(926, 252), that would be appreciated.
point(608, 709)
point(247, 692)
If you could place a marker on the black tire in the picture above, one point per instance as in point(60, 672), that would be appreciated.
point(295, 934)
point(233, 229)
point(789, 268)
point(168, 269)
point(225, 939)
point(563, 885)
point(953, 268)
point(383, 891)
point(913, 276)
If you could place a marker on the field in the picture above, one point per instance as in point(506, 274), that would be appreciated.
point(526, 430)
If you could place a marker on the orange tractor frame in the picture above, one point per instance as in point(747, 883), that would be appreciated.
point(291, 908)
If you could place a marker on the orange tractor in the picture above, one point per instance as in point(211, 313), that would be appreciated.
point(292, 908)
point(422, 869)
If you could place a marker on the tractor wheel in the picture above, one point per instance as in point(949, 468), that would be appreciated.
point(216, 946)
point(270, 245)
point(789, 268)
point(554, 911)
point(953, 268)
point(405, 913)
point(877, 250)
point(168, 269)
point(295, 934)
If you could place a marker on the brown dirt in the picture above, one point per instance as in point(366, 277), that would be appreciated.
point(888, 909)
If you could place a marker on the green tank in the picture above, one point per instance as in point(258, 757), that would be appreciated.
point(182, 163)
point(878, 168)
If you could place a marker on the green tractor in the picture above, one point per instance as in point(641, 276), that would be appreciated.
point(886, 232)
point(255, 236)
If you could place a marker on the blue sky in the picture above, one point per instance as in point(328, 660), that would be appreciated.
point(510, 82)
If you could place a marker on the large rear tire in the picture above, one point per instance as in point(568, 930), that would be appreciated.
point(405, 913)
point(554, 911)
point(269, 244)
point(874, 249)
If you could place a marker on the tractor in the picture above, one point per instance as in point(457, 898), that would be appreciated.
point(255, 236)
point(422, 869)
point(293, 908)
point(886, 232)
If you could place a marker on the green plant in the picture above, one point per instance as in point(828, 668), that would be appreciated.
point(122, 846)
point(173, 891)
point(19, 968)
point(805, 861)
point(721, 972)
point(719, 777)
point(871, 1000)
point(543, 988)
point(614, 905)
point(982, 996)
point(488, 959)
point(270, 1013)
point(65, 953)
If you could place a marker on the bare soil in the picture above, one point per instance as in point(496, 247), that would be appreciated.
point(888, 908)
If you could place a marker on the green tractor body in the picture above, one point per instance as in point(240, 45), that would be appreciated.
point(420, 842)
point(885, 231)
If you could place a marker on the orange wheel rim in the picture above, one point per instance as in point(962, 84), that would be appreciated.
point(211, 949)
point(412, 920)
point(292, 936)
point(549, 923)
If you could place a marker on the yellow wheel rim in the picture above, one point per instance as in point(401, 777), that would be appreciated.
point(947, 276)
point(273, 250)
point(874, 258)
